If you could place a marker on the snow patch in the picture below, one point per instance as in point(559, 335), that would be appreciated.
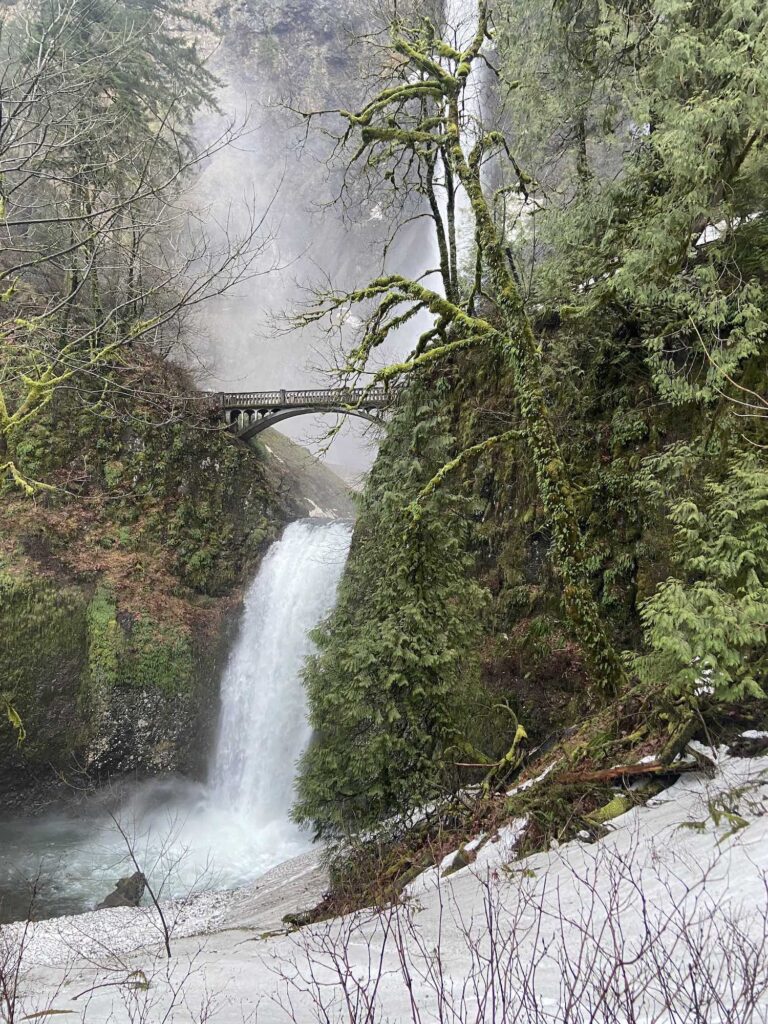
point(315, 512)
point(673, 870)
point(531, 782)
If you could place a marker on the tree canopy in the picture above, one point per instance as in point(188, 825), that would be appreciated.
point(101, 246)
point(595, 177)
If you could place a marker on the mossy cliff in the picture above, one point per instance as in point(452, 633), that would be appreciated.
point(99, 691)
point(512, 677)
point(120, 588)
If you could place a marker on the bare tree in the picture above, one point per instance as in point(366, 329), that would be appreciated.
point(102, 246)
point(661, 949)
point(15, 942)
point(150, 989)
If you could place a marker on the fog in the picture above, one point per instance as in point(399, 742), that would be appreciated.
point(244, 340)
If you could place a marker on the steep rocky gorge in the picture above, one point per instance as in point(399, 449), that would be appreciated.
point(117, 608)
point(119, 593)
point(275, 61)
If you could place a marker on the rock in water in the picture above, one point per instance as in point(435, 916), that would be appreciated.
point(128, 892)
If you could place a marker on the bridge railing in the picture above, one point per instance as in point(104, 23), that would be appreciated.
point(315, 397)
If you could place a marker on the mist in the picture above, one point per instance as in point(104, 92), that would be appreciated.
point(244, 340)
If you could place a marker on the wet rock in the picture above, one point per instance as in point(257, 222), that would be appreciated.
point(299, 919)
point(127, 893)
point(462, 859)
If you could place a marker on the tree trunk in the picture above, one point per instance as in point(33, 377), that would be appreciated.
point(552, 476)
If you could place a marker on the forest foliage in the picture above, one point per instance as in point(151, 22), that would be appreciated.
point(393, 674)
point(113, 476)
point(104, 249)
point(599, 351)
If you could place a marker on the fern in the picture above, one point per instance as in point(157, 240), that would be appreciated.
point(708, 631)
point(390, 683)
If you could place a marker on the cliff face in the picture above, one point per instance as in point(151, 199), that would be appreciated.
point(330, 224)
point(310, 487)
point(293, 43)
point(119, 592)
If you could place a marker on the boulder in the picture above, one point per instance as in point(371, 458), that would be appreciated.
point(127, 893)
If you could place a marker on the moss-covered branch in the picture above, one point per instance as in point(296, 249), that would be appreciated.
point(463, 457)
point(383, 121)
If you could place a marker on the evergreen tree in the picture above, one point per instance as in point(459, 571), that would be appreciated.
point(670, 239)
point(99, 248)
point(707, 628)
point(654, 267)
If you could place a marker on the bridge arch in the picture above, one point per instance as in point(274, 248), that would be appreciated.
point(259, 420)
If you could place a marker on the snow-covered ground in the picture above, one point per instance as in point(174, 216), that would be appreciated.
point(664, 920)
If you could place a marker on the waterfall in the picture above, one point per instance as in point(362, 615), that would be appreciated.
point(461, 24)
point(189, 835)
point(263, 727)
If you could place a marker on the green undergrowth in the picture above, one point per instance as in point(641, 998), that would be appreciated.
point(559, 813)
point(396, 663)
point(375, 872)
point(158, 656)
point(164, 483)
point(65, 660)
point(106, 642)
point(42, 662)
point(137, 652)
point(554, 794)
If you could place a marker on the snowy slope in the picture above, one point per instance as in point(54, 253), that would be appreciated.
point(664, 920)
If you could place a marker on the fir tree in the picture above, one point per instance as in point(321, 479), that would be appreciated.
point(655, 266)
point(707, 627)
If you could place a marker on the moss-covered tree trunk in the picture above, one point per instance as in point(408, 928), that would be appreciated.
point(423, 116)
point(520, 349)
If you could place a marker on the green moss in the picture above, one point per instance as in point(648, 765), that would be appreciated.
point(554, 811)
point(64, 660)
point(208, 502)
point(158, 657)
point(124, 538)
point(39, 447)
point(42, 658)
point(113, 472)
point(179, 509)
point(620, 804)
point(461, 859)
point(105, 641)
point(183, 487)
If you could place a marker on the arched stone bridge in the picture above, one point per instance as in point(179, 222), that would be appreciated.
point(250, 412)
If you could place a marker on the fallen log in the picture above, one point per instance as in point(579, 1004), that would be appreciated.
point(621, 771)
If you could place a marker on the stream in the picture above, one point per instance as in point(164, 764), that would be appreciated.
point(223, 832)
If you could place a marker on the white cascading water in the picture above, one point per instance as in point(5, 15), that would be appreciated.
point(222, 833)
point(461, 25)
point(263, 727)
